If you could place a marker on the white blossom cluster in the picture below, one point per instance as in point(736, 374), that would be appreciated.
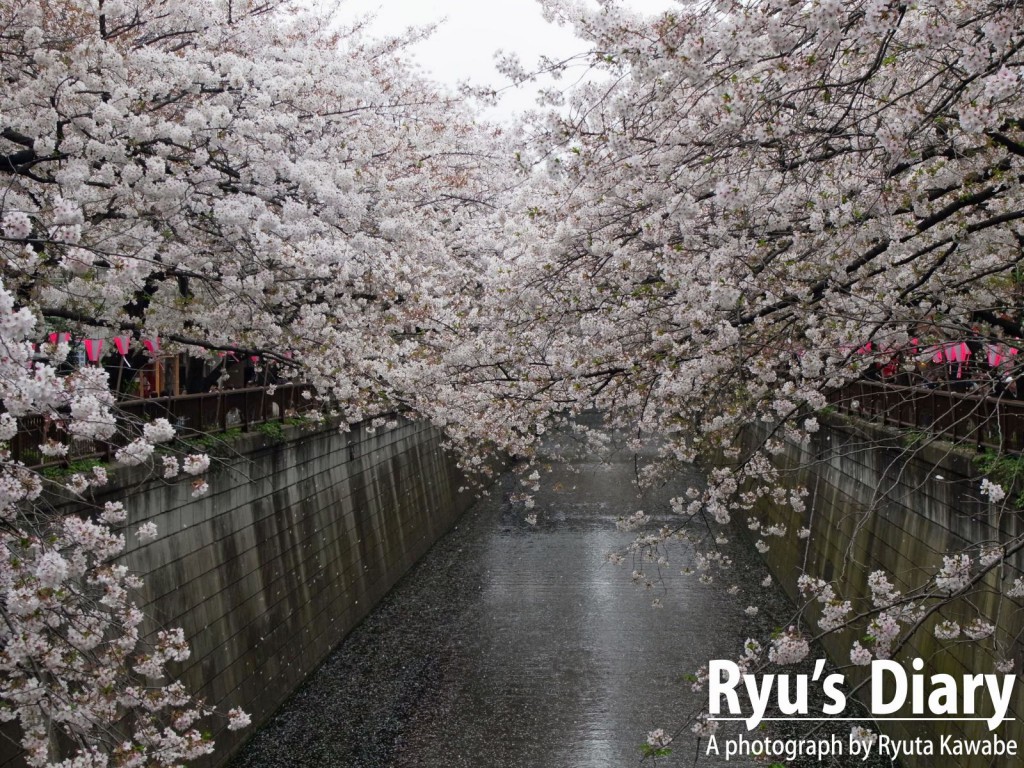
point(834, 611)
point(947, 630)
point(989, 556)
point(978, 629)
point(752, 655)
point(994, 491)
point(883, 630)
point(790, 647)
point(136, 452)
point(704, 726)
point(955, 573)
point(883, 593)
point(863, 735)
point(195, 463)
point(1017, 590)
point(859, 655)
point(658, 738)
point(158, 431)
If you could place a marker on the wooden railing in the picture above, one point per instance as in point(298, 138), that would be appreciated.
point(206, 413)
point(978, 420)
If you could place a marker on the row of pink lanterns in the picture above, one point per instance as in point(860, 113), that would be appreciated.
point(94, 347)
point(954, 352)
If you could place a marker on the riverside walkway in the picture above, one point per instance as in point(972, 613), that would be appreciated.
point(512, 645)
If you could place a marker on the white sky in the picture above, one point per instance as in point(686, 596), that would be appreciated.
point(464, 45)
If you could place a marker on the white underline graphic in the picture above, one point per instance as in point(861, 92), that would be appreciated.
point(890, 719)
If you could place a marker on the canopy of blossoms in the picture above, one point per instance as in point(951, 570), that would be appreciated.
point(740, 198)
point(222, 176)
point(743, 197)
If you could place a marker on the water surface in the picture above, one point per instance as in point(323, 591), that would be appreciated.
point(513, 645)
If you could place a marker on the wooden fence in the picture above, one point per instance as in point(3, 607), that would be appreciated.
point(205, 413)
point(980, 421)
point(976, 420)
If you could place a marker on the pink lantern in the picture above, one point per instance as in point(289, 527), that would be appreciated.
point(93, 349)
point(122, 343)
point(995, 355)
point(64, 337)
point(954, 353)
point(152, 346)
point(958, 353)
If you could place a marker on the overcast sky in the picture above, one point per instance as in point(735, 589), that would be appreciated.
point(463, 47)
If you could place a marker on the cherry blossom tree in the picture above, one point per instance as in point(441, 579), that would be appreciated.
point(742, 197)
point(226, 176)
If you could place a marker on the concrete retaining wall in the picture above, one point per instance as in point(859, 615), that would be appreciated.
point(298, 539)
point(877, 503)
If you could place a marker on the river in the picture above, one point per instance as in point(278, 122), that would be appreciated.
point(513, 645)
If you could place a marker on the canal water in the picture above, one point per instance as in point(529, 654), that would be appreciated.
point(512, 645)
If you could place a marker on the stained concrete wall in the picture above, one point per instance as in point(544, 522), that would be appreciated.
point(294, 545)
point(877, 502)
point(297, 540)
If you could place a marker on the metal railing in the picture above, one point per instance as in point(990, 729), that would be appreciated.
point(978, 420)
point(206, 413)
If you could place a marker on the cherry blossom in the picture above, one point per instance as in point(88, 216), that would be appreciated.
point(979, 629)
point(710, 230)
point(790, 647)
point(862, 735)
point(136, 452)
point(1017, 590)
point(947, 630)
point(170, 467)
point(237, 719)
point(226, 178)
point(195, 463)
point(695, 246)
point(158, 431)
point(658, 738)
point(955, 573)
point(860, 655)
point(994, 491)
point(147, 532)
